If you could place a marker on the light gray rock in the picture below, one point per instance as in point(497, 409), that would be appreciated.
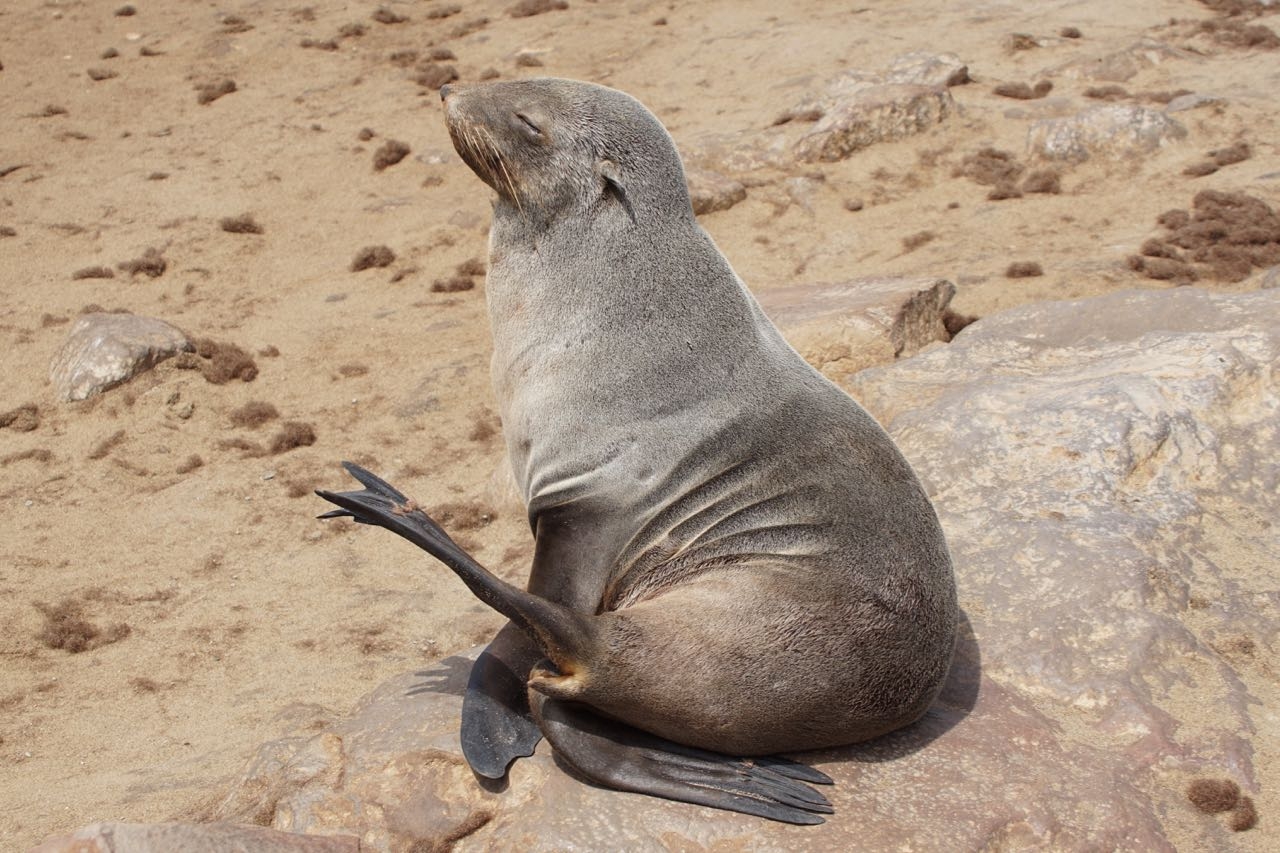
point(847, 326)
point(104, 350)
point(739, 152)
point(711, 191)
point(1107, 474)
point(192, 838)
point(1115, 130)
point(1195, 100)
point(873, 113)
point(1121, 65)
point(920, 68)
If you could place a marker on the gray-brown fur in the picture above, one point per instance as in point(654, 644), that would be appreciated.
point(761, 569)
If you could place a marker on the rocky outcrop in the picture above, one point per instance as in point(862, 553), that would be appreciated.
point(865, 113)
point(1116, 130)
point(1106, 473)
point(104, 350)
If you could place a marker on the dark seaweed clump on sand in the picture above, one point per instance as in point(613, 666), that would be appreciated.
point(1224, 237)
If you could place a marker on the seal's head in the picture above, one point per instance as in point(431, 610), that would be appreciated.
point(551, 148)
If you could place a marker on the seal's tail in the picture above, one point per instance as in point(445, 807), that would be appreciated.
point(564, 636)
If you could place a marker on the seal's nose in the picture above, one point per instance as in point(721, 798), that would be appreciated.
point(444, 91)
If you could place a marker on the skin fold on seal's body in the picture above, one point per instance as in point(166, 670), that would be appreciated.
point(731, 555)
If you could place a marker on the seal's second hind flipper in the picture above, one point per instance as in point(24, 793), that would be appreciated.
point(562, 635)
point(619, 756)
point(497, 726)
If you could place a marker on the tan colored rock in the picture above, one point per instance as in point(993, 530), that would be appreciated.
point(1115, 130)
point(844, 327)
point(192, 838)
point(711, 191)
point(921, 68)
point(871, 114)
point(104, 350)
point(1121, 65)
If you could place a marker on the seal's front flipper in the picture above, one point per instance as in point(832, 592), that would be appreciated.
point(497, 726)
point(619, 756)
point(563, 636)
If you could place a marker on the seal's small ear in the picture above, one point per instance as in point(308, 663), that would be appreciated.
point(612, 175)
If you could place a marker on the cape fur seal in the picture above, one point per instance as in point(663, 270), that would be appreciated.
point(732, 558)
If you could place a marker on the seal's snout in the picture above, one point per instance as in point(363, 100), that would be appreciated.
point(444, 91)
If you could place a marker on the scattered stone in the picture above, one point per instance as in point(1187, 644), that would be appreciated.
point(109, 53)
point(528, 59)
point(1023, 92)
point(1043, 181)
point(242, 224)
point(443, 10)
point(152, 264)
point(1190, 101)
point(126, 12)
point(433, 75)
point(842, 328)
point(1121, 65)
point(1109, 92)
point(390, 153)
point(404, 58)
point(372, 256)
point(529, 8)
point(471, 266)
point(234, 25)
point(914, 241)
point(1232, 154)
point(1070, 33)
point(711, 191)
point(319, 44)
point(1113, 131)
point(353, 30)
point(1020, 41)
point(24, 418)
point(7, 231)
point(189, 464)
point(101, 73)
point(1023, 269)
point(384, 15)
point(207, 93)
point(220, 362)
point(293, 434)
point(65, 627)
point(872, 113)
point(104, 350)
point(93, 272)
point(453, 284)
point(853, 204)
point(928, 69)
point(253, 414)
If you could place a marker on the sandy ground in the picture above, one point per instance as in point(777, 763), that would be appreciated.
point(224, 613)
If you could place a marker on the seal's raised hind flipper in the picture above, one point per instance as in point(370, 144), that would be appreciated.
point(562, 635)
point(497, 726)
point(619, 756)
